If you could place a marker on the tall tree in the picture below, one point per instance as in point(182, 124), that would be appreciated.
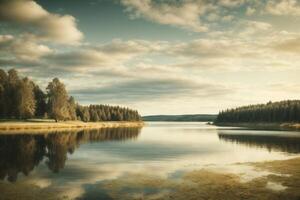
point(72, 108)
point(26, 99)
point(40, 98)
point(11, 94)
point(86, 114)
point(57, 100)
point(3, 99)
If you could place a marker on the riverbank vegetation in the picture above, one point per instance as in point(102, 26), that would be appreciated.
point(21, 98)
point(272, 112)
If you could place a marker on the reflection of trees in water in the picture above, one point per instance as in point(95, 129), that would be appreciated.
point(21, 153)
point(270, 142)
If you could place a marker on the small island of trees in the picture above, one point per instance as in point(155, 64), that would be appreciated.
point(272, 112)
point(21, 98)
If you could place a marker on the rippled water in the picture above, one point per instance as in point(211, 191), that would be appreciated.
point(77, 163)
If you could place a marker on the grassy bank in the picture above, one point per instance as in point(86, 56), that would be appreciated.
point(48, 125)
point(278, 126)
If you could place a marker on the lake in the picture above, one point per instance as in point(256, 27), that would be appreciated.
point(159, 161)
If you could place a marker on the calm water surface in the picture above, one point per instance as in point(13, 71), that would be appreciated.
point(77, 163)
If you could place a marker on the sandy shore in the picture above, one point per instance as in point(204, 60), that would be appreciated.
point(23, 127)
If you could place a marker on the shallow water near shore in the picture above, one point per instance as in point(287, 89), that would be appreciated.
point(162, 160)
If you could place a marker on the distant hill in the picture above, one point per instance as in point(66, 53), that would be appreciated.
point(181, 118)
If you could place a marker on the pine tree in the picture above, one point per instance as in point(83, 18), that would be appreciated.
point(3, 98)
point(58, 100)
point(40, 98)
point(11, 93)
point(26, 99)
point(72, 108)
point(86, 114)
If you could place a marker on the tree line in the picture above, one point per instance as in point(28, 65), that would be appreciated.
point(272, 112)
point(21, 98)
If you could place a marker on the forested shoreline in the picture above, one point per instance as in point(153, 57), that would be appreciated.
point(21, 98)
point(181, 118)
point(272, 112)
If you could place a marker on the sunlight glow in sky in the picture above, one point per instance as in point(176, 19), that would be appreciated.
point(157, 56)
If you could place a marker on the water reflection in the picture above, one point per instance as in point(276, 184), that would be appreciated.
point(22, 153)
point(273, 142)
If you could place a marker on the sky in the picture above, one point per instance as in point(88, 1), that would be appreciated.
point(157, 56)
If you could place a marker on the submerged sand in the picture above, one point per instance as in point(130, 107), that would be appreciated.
point(281, 182)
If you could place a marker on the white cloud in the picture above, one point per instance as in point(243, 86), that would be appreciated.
point(250, 29)
point(213, 17)
point(5, 39)
point(48, 26)
point(231, 3)
point(291, 45)
point(283, 7)
point(142, 89)
point(228, 18)
point(208, 48)
point(113, 54)
point(132, 47)
point(259, 25)
point(23, 48)
point(183, 14)
point(285, 87)
point(250, 11)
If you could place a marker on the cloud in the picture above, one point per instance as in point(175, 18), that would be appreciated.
point(22, 65)
point(124, 57)
point(183, 14)
point(47, 26)
point(259, 25)
point(118, 46)
point(277, 91)
point(149, 89)
point(79, 59)
point(283, 7)
point(290, 45)
point(238, 54)
point(231, 3)
point(228, 18)
point(22, 49)
point(115, 54)
point(285, 87)
point(235, 65)
point(250, 28)
point(207, 48)
point(192, 15)
point(82, 58)
point(250, 11)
